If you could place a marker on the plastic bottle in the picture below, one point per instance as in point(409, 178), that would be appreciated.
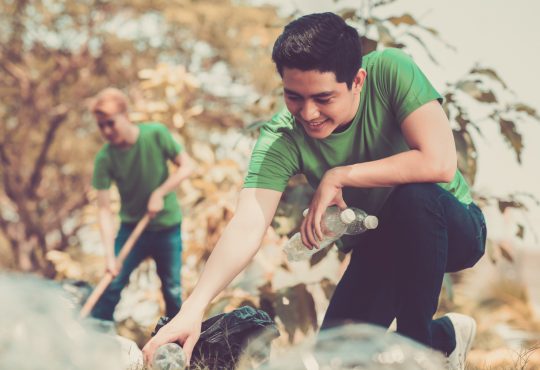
point(362, 222)
point(334, 223)
point(169, 356)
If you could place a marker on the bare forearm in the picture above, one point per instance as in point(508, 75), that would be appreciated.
point(106, 229)
point(231, 255)
point(412, 166)
point(237, 245)
point(175, 179)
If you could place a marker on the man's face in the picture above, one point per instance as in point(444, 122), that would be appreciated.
point(112, 124)
point(318, 102)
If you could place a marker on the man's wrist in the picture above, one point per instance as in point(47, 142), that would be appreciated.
point(338, 176)
point(193, 306)
point(159, 192)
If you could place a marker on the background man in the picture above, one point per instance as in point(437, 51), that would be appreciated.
point(136, 157)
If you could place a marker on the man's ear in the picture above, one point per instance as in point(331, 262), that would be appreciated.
point(358, 81)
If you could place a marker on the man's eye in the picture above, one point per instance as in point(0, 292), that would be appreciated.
point(323, 101)
point(292, 97)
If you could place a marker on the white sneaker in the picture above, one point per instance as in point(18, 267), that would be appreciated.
point(465, 328)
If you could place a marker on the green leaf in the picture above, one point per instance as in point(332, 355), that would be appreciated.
point(421, 42)
point(512, 136)
point(490, 73)
point(295, 307)
point(521, 231)
point(404, 19)
point(368, 45)
point(512, 203)
point(348, 13)
point(467, 154)
point(520, 107)
point(384, 35)
point(472, 88)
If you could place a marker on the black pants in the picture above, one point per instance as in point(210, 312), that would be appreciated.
point(396, 270)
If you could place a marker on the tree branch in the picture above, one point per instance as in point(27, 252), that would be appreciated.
point(58, 116)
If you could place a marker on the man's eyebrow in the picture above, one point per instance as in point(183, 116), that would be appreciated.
point(323, 94)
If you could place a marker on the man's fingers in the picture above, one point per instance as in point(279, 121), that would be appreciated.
point(148, 352)
point(303, 234)
point(317, 226)
point(341, 204)
point(189, 344)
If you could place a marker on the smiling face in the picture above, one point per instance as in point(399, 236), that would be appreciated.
point(318, 102)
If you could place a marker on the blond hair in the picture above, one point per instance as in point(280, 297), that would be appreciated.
point(107, 96)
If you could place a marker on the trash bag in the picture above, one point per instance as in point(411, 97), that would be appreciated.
point(225, 337)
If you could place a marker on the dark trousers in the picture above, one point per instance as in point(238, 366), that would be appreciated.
point(165, 247)
point(396, 270)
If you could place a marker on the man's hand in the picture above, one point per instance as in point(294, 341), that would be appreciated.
point(184, 328)
point(155, 203)
point(328, 193)
point(112, 267)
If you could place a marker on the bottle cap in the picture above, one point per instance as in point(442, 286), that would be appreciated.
point(371, 222)
point(347, 216)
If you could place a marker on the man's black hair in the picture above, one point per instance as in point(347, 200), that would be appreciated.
point(321, 42)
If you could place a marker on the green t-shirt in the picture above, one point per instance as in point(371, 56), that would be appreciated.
point(138, 171)
point(394, 87)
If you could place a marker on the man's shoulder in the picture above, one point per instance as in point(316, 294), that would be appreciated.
point(152, 126)
point(104, 151)
point(385, 58)
point(282, 121)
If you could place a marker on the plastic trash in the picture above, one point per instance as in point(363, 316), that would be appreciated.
point(225, 337)
point(335, 223)
point(169, 356)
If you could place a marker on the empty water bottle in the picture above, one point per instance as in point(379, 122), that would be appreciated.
point(169, 356)
point(362, 222)
point(334, 224)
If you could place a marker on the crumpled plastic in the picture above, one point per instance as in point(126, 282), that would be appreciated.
point(225, 337)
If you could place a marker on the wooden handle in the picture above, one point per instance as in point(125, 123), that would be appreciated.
point(108, 278)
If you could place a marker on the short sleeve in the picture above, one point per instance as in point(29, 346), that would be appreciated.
point(405, 85)
point(101, 179)
point(275, 158)
point(171, 148)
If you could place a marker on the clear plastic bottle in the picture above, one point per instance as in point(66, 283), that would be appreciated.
point(362, 222)
point(334, 224)
point(169, 356)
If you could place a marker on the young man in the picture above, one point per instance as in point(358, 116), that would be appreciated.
point(367, 132)
point(136, 157)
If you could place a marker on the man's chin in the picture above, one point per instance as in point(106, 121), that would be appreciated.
point(318, 134)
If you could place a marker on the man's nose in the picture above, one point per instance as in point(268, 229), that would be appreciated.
point(309, 111)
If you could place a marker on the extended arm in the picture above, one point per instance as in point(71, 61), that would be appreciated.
point(432, 158)
point(236, 247)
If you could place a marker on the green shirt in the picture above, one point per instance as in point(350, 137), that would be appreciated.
point(394, 87)
point(138, 171)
